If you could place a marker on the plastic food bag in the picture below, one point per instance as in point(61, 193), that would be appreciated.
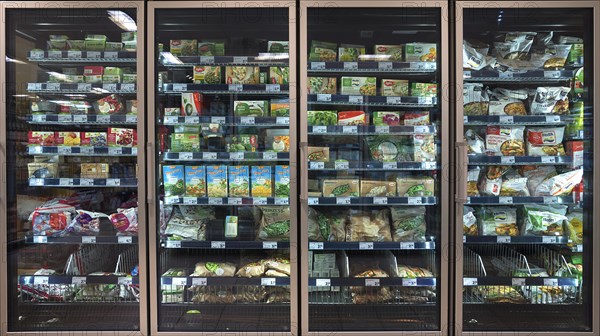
point(274, 224)
point(474, 56)
point(498, 221)
point(469, 222)
point(475, 142)
point(405, 271)
point(408, 224)
point(543, 220)
point(551, 100)
point(475, 99)
point(51, 218)
point(125, 220)
point(368, 225)
point(252, 270)
point(505, 140)
point(212, 269)
point(516, 45)
point(536, 175)
point(560, 185)
point(507, 102)
point(514, 185)
point(574, 226)
point(281, 265)
point(85, 223)
point(388, 149)
point(180, 227)
point(472, 179)
point(490, 187)
point(326, 225)
point(545, 141)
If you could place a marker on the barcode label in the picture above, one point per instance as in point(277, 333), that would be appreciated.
point(273, 88)
point(350, 129)
point(215, 201)
point(218, 120)
point(234, 201)
point(506, 119)
point(382, 129)
point(505, 200)
point(36, 182)
point(41, 280)
point(40, 239)
point(548, 159)
point(186, 156)
point(92, 54)
point(86, 182)
point(240, 59)
point(407, 246)
point(63, 150)
point(103, 118)
point(470, 282)
point(270, 156)
point(192, 120)
point(125, 281)
point(34, 87)
point(350, 66)
point(190, 200)
point(115, 151)
point(342, 166)
point(313, 201)
point(355, 99)
point(270, 245)
point(506, 74)
point(247, 120)
point(549, 240)
point(550, 282)
point(282, 121)
point(342, 200)
point(109, 87)
point(111, 54)
point(179, 87)
point(179, 281)
point(317, 165)
point(54, 54)
point(507, 159)
point(36, 54)
point(282, 201)
point(415, 200)
point(260, 201)
point(79, 118)
point(518, 282)
point(88, 240)
point(394, 100)
point(173, 244)
point(78, 280)
point(53, 86)
point(503, 239)
point(236, 156)
point(236, 87)
point(268, 282)
point(551, 74)
point(409, 282)
point(550, 200)
point(65, 182)
point(172, 199)
point(207, 59)
point(319, 129)
point(125, 240)
point(390, 165)
point(217, 244)
point(323, 282)
point(209, 156)
point(552, 119)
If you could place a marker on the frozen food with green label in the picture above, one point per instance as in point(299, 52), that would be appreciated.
point(408, 224)
point(239, 181)
point(386, 118)
point(341, 188)
point(349, 54)
point(323, 51)
point(385, 148)
point(185, 142)
point(322, 118)
point(318, 154)
point(95, 42)
point(394, 87)
point(274, 223)
point(195, 181)
point(184, 47)
point(278, 47)
point(279, 75)
point(544, 220)
point(371, 188)
point(280, 107)
point(394, 51)
point(498, 221)
point(425, 148)
point(251, 108)
point(420, 52)
point(423, 89)
point(282, 181)
point(415, 186)
point(207, 74)
point(242, 75)
point(216, 181)
point(365, 86)
point(174, 180)
point(318, 85)
point(211, 48)
point(242, 143)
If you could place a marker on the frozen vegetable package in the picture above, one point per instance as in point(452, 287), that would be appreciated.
point(214, 269)
point(323, 51)
point(469, 222)
point(544, 220)
point(252, 270)
point(182, 226)
point(408, 224)
point(507, 102)
point(274, 224)
point(505, 140)
point(326, 225)
point(389, 148)
point(425, 148)
point(472, 180)
point(368, 225)
point(322, 85)
point(475, 99)
point(561, 184)
point(498, 221)
point(322, 118)
point(545, 141)
point(574, 226)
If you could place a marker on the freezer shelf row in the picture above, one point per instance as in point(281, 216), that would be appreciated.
point(226, 156)
point(335, 99)
point(267, 89)
point(82, 240)
point(82, 88)
point(373, 282)
point(82, 150)
point(77, 280)
point(227, 121)
point(520, 200)
point(510, 281)
point(76, 56)
point(81, 119)
point(268, 59)
point(220, 245)
point(522, 76)
point(83, 182)
point(372, 201)
point(365, 246)
point(177, 200)
point(371, 165)
point(374, 66)
point(519, 160)
point(224, 281)
point(517, 120)
point(371, 130)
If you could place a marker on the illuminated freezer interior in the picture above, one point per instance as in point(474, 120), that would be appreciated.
point(71, 169)
point(223, 169)
point(527, 257)
point(373, 187)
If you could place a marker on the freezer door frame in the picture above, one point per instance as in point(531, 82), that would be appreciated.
point(153, 6)
point(141, 159)
point(461, 157)
point(443, 299)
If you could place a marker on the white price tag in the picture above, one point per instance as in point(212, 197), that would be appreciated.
point(470, 282)
point(209, 156)
point(259, 201)
point(236, 156)
point(350, 129)
point(179, 281)
point(269, 156)
point(390, 165)
point(407, 246)
point(247, 120)
point(234, 201)
point(549, 240)
point(113, 182)
point(54, 54)
point(131, 119)
point(382, 129)
point(36, 182)
point(74, 54)
point(236, 87)
point(218, 120)
point(319, 129)
point(282, 201)
point(506, 74)
point(86, 150)
point(36, 54)
point(217, 245)
point(409, 282)
point(40, 239)
point(38, 117)
point(385, 66)
point(34, 87)
point(87, 182)
point(78, 280)
point(548, 159)
point(322, 282)
point(552, 119)
point(64, 118)
point(267, 282)
point(342, 200)
point(417, 65)
point(317, 65)
point(92, 54)
point(355, 99)
point(415, 200)
point(186, 156)
point(171, 120)
point(578, 248)
point(65, 182)
point(84, 87)
point(103, 118)
point(115, 150)
point(506, 119)
point(393, 100)
point(350, 66)
point(551, 74)
point(315, 246)
point(282, 121)
point(53, 86)
point(465, 119)
point(550, 200)
point(124, 240)
point(172, 200)
point(78, 118)
point(273, 88)
point(192, 120)
point(270, 245)
point(550, 282)
point(88, 240)
point(36, 150)
point(313, 201)
point(240, 59)
point(518, 282)
point(111, 54)
point(124, 281)
point(179, 87)
point(215, 201)
point(503, 239)
point(365, 246)
point(173, 244)
point(199, 282)
point(342, 166)
point(190, 200)
point(321, 97)
point(507, 159)
point(505, 200)
point(63, 150)
point(207, 59)
point(380, 200)
point(421, 129)
point(317, 165)
point(424, 100)
point(428, 165)
point(110, 87)
point(372, 282)
point(41, 280)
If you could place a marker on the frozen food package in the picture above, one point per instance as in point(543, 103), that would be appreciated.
point(514, 185)
point(475, 142)
point(322, 118)
point(51, 218)
point(500, 294)
point(197, 212)
point(184, 47)
point(368, 225)
point(543, 220)
point(473, 57)
point(383, 295)
point(469, 222)
point(574, 226)
point(274, 223)
point(112, 104)
point(472, 179)
point(498, 221)
point(406, 271)
point(545, 141)
point(348, 54)
point(425, 148)
point(496, 171)
point(490, 187)
point(125, 220)
point(326, 225)
point(207, 74)
point(505, 140)
point(349, 118)
point(552, 56)
point(273, 273)
point(420, 52)
point(420, 118)
point(85, 223)
point(242, 75)
point(475, 99)
point(279, 264)
point(516, 45)
point(185, 227)
point(507, 102)
point(348, 187)
point(384, 148)
point(366, 86)
point(561, 184)
point(536, 175)
point(252, 269)
point(394, 52)
point(408, 224)
point(203, 295)
point(323, 51)
point(550, 100)
point(322, 85)
point(214, 269)
point(415, 186)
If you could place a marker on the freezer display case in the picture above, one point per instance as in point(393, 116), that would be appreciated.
point(69, 129)
point(224, 149)
point(528, 82)
point(372, 124)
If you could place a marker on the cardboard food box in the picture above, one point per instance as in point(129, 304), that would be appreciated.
point(413, 186)
point(346, 118)
point(67, 138)
point(282, 181)
point(113, 46)
point(261, 181)
point(350, 54)
point(242, 75)
point(40, 138)
point(341, 188)
point(94, 170)
point(416, 118)
point(122, 137)
point(243, 143)
point(394, 51)
point(216, 181)
point(129, 36)
point(386, 118)
point(239, 181)
point(322, 118)
point(279, 75)
point(172, 111)
point(185, 142)
point(76, 45)
point(323, 51)
point(251, 108)
point(318, 154)
point(423, 89)
point(112, 75)
point(325, 85)
point(93, 79)
point(42, 170)
point(394, 87)
point(277, 140)
point(75, 79)
point(174, 180)
point(195, 181)
point(207, 74)
point(280, 108)
point(184, 47)
point(425, 148)
point(94, 139)
point(421, 52)
point(377, 188)
point(365, 86)
point(575, 152)
point(131, 106)
point(191, 103)
point(211, 48)
point(129, 78)
point(130, 46)
point(75, 107)
point(95, 42)
point(112, 104)
point(278, 47)
point(93, 70)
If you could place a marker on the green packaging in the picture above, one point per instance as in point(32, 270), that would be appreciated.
point(113, 46)
point(423, 89)
point(322, 118)
point(195, 181)
point(282, 181)
point(95, 42)
point(216, 181)
point(251, 108)
point(173, 180)
point(211, 48)
point(185, 142)
point(239, 181)
point(323, 51)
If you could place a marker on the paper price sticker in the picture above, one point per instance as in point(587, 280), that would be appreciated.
point(270, 156)
point(103, 118)
point(179, 281)
point(41, 280)
point(270, 245)
point(372, 282)
point(236, 156)
point(110, 87)
point(350, 129)
point(64, 182)
point(34, 87)
point(240, 59)
point(63, 150)
point(550, 200)
point(217, 245)
point(390, 165)
point(173, 244)
point(317, 165)
point(92, 54)
point(190, 200)
point(234, 201)
point(549, 240)
point(38, 117)
point(259, 201)
point(53, 86)
point(503, 239)
point(470, 282)
point(282, 201)
point(172, 200)
point(415, 201)
point(179, 87)
point(192, 120)
point(207, 59)
point(54, 54)
point(317, 66)
point(215, 201)
point(342, 201)
point(236, 87)
point(80, 118)
point(199, 282)
point(131, 119)
point(548, 159)
point(551, 74)
point(393, 100)
point(124, 240)
point(64, 118)
point(247, 120)
point(552, 119)
point(407, 246)
point(365, 246)
point(84, 87)
point(74, 54)
point(428, 165)
point(342, 166)
point(321, 97)
point(124, 281)
point(505, 200)
point(350, 66)
point(36, 182)
point(355, 99)
point(40, 239)
point(315, 246)
point(506, 119)
point(380, 200)
point(111, 54)
point(209, 156)
point(268, 282)
point(273, 88)
point(36, 54)
point(409, 282)
point(322, 282)
point(550, 282)
point(282, 120)
point(506, 74)
point(115, 151)
point(88, 240)
point(87, 182)
point(218, 120)
point(186, 156)
point(518, 282)
point(382, 129)
point(507, 159)
point(319, 129)
point(78, 280)
point(313, 201)
point(385, 66)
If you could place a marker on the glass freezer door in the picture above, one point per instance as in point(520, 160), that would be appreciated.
point(70, 120)
point(225, 169)
point(371, 119)
point(528, 98)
